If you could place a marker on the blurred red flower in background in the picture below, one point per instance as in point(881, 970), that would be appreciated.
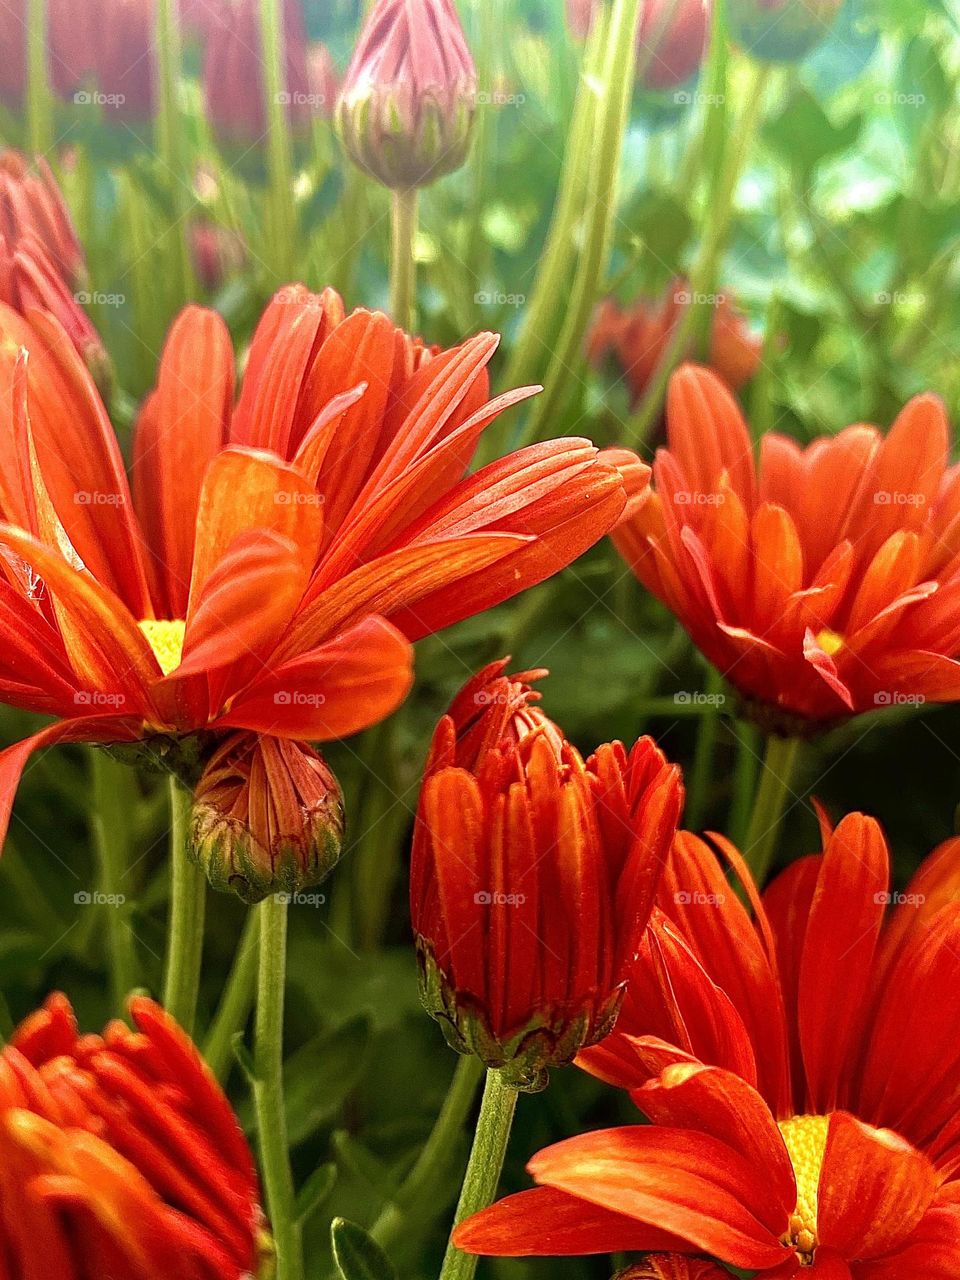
point(532, 876)
point(636, 337)
point(821, 582)
point(799, 1069)
point(107, 64)
point(671, 38)
point(274, 559)
point(120, 1156)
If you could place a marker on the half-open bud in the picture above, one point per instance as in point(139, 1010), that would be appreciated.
point(674, 1266)
point(781, 30)
point(408, 99)
point(267, 817)
point(532, 878)
point(32, 207)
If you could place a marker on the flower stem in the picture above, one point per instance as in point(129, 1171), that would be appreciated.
point(403, 264)
point(419, 1190)
point(187, 904)
point(110, 828)
point(484, 1168)
point(39, 117)
point(268, 1090)
point(282, 223)
point(702, 770)
point(770, 802)
point(171, 141)
point(236, 1001)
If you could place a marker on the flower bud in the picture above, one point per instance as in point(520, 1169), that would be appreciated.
point(674, 1266)
point(31, 205)
point(781, 30)
point(532, 878)
point(267, 817)
point(407, 104)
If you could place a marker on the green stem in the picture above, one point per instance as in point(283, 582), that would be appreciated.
point(484, 1168)
point(187, 904)
point(170, 141)
point(693, 327)
point(283, 250)
point(110, 827)
point(403, 263)
point(601, 203)
point(702, 771)
point(419, 1189)
point(39, 116)
point(744, 781)
point(236, 1001)
point(268, 1090)
point(770, 802)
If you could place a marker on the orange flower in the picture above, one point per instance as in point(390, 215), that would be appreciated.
point(636, 337)
point(532, 877)
point(822, 581)
point(120, 1156)
point(800, 1071)
point(274, 559)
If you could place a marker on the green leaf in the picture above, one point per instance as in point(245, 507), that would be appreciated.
point(315, 1191)
point(357, 1256)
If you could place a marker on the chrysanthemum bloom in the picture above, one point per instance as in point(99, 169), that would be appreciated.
point(233, 87)
point(674, 1266)
point(635, 338)
point(822, 581)
point(800, 1070)
point(532, 878)
point(671, 38)
point(267, 817)
point(120, 1156)
point(409, 95)
point(107, 65)
point(274, 559)
point(32, 207)
point(781, 30)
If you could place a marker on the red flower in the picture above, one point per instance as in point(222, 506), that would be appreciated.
point(637, 336)
point(120, 1156)
point(409, 94)
point(232, 76)
point(671, 38)
point(324, 79)
point(31, 207)
point(217, 253)
point(107, 65)
point(532, 877)
point(673, 1266)
point(800, 1070)
point(275, 559)
point(267, 816)
point(823, 581)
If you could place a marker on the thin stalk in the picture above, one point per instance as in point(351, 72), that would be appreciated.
point(484, 1168)
point(236, 1001)
point(761, 415)
point(39, 112)
point(744, 782)
point(404, 206)
point(171, 142)
point(187, 906)
point(601, 202)
point(706, 747)
point(268, 1090)
point(282, 251)
point(110, 828)
point(418, 1189)
point(779, 768)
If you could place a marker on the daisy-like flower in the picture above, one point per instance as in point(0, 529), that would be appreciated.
point(275, 558)
point(635, 338)
point(820, 581)
point(532, 877)
point(120, 1156)
point(800, 1070)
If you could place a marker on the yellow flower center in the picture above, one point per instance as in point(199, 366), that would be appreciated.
point(165, 636)
point(830, 642)
point(806, 1141)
